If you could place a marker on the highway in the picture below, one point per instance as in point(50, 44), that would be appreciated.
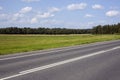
point(95, 61)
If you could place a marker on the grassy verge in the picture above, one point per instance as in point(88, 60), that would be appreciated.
point(22, 43)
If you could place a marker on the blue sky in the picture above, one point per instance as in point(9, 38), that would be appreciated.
point(80, 14)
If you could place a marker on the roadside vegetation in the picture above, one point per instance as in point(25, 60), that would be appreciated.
point(22, 43)
point(15, 40)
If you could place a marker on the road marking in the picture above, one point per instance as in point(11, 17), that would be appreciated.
point(58, 63)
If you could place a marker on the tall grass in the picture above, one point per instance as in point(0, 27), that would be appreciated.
point(22, 43)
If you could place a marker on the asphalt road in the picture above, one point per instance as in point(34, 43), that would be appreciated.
point(96, 61)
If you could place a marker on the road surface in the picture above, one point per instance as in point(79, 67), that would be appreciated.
point(96, 61)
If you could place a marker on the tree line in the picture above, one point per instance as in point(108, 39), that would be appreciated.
point(105, 29)
point(16, 30)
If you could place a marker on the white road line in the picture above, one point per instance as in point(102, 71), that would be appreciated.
point(58, 63)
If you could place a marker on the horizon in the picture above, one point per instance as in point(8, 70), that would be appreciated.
point(59, 27)
point(68, 14)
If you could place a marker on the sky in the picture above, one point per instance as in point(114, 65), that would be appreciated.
point(77, 14)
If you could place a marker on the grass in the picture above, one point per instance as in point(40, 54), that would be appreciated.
point(22, 43)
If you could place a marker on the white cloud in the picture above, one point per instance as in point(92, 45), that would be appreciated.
point(20, 17)
point(51, 21)
point(34, 20)
point(97, 6)
point(112, 13)
point(11, 18)
point(87, 25)
point(53, 9)
point(76, 6)
point(17, 16)
point(25, 10)
point(4, 17)
point(45, 15)
point(88, 15)
point(30, 0)
point(40, 16)
point(90, 23)
point(1, 8)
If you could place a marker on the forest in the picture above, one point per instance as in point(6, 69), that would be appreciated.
point(100, 29)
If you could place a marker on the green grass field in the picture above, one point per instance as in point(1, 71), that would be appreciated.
point(22, 43)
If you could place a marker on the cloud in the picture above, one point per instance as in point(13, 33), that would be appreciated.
point(1, 8)
point(4, 17)
point(88, 15)
point(30, 0)
point(45, 15)
point(25, 10)
point(40, 16)
point(112, 13)
point(17, 16)
point(20, 17)
point(77, 6)
point(11, 18)
point(51, 21)
point(21, 13)
point(34, 20)
point(53, 9)
point(97, 6)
